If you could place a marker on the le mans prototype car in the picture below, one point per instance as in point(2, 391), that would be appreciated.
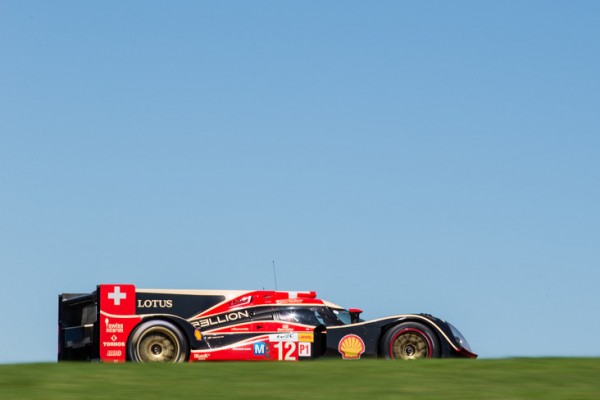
point(117, 323)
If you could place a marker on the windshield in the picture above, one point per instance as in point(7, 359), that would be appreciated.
point(316, 316)
point(343, 315)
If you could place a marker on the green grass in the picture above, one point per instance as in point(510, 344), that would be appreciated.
point(543, 378)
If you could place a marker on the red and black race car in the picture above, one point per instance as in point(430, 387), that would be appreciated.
point(119, 322)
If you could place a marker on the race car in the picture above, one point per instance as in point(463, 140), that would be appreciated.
point(119, 322)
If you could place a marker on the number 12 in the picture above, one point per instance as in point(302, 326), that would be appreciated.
point(289, 348)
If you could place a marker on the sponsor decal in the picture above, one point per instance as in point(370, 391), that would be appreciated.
point(304, 349)
point(261, 349)
point(116, 296)
point(112, 327)
point(197, 334)
point(306, 337)
point(117, 299)
point(284, 337)
point(114, 340)
point(221, 319)
point(200, 357)
point(351, 347)
point(285, 328)
point(290, 301)
point(241, 301)
point(155, 303)
point(113, 334)
point(113, 344)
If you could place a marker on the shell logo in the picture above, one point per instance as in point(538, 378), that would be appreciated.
point(351, 347)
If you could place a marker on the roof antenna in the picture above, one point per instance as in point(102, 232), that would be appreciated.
point(274, 275)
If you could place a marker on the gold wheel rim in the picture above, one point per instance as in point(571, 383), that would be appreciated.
point(159, 346)
point(410, 346)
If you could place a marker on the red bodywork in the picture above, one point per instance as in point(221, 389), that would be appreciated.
point(117, 311)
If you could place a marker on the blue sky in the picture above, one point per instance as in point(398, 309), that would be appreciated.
point(399, 156)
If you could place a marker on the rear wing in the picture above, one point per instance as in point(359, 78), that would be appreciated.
point(78, 332)
point(95, 326)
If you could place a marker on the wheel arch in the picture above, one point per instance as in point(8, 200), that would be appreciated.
point(440, 336)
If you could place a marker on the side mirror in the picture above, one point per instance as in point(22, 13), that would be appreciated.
point(355, 315)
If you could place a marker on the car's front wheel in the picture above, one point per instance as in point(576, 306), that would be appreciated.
point(157, 341)
point(410, 341)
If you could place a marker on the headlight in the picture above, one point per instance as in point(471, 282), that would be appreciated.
point(460, 338)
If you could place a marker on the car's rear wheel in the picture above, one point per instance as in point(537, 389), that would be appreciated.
point(157, 341)
point(410, 341)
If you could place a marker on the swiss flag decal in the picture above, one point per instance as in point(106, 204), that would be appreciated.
point(117, 299)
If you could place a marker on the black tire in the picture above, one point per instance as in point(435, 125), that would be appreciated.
point(410, 341)
point(157, 341)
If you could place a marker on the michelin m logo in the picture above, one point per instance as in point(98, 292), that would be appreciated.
point(260, 348)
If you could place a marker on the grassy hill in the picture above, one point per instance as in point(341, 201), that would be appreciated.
point(544, 378)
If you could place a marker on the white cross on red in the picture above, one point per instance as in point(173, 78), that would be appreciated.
point(116, 296)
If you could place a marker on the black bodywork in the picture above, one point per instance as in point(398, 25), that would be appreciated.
point(80, 324)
